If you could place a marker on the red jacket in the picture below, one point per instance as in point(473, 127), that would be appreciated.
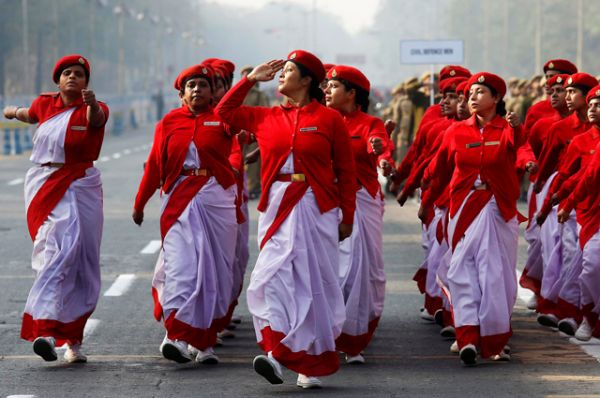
point(315, 134)
point(82, 142)
point(172, 139)
point(577, 157)
point(560, 135)
point(362, 127)
point(587, 191)
point(466, 153)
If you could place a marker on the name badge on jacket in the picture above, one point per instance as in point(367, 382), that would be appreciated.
point(212, 123)
point(305, 129)
point(79, 128)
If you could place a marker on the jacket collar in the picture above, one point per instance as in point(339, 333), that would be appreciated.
point(497, 122)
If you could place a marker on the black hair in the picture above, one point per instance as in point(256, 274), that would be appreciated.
point(501, 105)
point(362, 95)
point(314, 92)
point(210, 83)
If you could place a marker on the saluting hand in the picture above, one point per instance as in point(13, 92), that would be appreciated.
point(513, 119)
point(376, 145)
point(265, 72)
point(89, 98)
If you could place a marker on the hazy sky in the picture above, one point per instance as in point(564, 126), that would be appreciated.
point(355, 14)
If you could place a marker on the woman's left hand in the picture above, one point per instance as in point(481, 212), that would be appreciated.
point(513, 119)
point(345, 230)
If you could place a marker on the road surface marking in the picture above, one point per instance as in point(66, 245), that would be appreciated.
point(126, 151)
point(16, 181)
point(116, 155)
point(120, 285)
point(104, 159)
point(151, 247)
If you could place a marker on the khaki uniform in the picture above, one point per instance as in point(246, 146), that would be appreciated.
point(254, 98)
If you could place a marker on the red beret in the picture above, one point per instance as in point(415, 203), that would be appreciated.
point(561, 65)
point(581, 80)
point(490, 80)
point(328, 67)
point(451, 84)
point(450, 71)
point(68, 60)
point(224, 64)
point(461, 88)
point(557, 79)
point(594, 93)
point(352, 75)
point(200, 70)
point(310, 62)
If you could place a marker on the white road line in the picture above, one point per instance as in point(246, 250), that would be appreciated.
point(116, 155)
point(151, 247)
point(120, 285)
point(16, 181)
point(104, 159)
point(21, 396)
point(592, 347)
point(127, 152)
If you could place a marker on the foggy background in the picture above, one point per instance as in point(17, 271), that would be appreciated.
point(139, 46)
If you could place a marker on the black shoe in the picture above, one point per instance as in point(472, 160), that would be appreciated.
point(468, 355)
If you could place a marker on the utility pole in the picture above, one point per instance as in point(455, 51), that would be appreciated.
point(580, 34)
point(538, 36)
point(26, 57)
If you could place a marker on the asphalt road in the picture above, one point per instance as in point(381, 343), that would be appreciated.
point(407, 358)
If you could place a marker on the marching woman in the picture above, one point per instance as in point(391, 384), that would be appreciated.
point(558, 304)
point(362, 275)
point(63, 194)
point(307, 174)
point(192, 284)
point(587, 192)
point(483, 230)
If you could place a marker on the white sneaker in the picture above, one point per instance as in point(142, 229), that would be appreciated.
point(584, 331)
point(175, 350)
point(468, 355)
point(567, 326)
point(355, 360)
point(269, 368)
point(448, 332)
point(454, 347)
point(532, 302)
point(502, 357)
point(308, 381)
point(424, 314)
point(207, 357)
point(73, 354)
point(549, 320)
point(44, 347)
point(226, 334)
